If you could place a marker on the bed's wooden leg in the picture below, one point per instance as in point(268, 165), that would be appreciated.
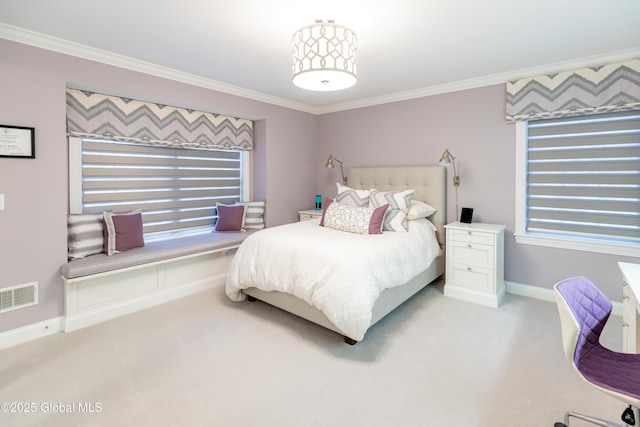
point(252, 299)
point(350, 341)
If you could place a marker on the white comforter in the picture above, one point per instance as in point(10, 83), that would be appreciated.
point(341, 274)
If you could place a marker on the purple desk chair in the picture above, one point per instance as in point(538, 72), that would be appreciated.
point(584, 310)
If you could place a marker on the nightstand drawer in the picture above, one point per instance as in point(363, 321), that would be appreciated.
point(309, 214)
point(470, 236)
point(471, 277)
point(471, 253)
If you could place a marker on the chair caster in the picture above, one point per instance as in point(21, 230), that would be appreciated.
point(559, 425)
point(628, 416)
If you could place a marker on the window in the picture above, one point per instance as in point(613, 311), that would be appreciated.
point(578, 183)
point(176, 188)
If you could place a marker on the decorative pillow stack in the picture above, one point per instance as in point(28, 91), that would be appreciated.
point(122, 231)
point(398, 201)
point(395, 218)
point(240, 216)
point(359, 220)
point(90, 234)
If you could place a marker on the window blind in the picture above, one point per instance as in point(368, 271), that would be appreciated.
point(583, 176)
point(176, 188)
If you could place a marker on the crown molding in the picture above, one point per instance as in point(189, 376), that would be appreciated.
point(55, 44)
point(490, 80)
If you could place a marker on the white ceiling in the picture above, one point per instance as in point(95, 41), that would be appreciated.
point(407, 48)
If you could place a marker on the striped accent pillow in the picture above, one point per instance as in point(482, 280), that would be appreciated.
point(398, 201)
point(254, 215)
point(85, 235)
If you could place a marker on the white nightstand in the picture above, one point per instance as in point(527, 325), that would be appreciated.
point(309, 214)
point(475, 262)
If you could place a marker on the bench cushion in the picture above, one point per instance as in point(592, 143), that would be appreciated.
point(152, 252)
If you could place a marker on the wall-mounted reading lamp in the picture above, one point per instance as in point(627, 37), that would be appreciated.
point(329, 164)
point(447, 159)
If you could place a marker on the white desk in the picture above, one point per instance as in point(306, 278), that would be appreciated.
point(631, 308)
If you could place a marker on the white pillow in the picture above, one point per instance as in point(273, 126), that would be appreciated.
point(419, 209)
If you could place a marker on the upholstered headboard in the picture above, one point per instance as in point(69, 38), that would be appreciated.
point(428, 182)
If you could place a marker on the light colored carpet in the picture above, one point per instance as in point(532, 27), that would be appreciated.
point(206, 361)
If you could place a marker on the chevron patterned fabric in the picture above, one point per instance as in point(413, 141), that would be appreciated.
point(396, 217)
point(350, 197)
point(607, 88)
point(110, 117)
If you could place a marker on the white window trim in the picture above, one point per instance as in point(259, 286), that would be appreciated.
point(246, 175)
point(521, 235)
point(75, 175)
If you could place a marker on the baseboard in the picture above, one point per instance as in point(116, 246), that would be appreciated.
point(48, 327)
point(546, 294)
point(474, 296)
point(530, 291)
point(31, 332)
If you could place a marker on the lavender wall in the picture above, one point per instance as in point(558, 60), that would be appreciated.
point(471, 124)
point(33, 225)
point(290, 147)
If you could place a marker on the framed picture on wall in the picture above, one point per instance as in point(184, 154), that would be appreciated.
point(17, 142)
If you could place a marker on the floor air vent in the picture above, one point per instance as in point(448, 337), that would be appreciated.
point(18, 297)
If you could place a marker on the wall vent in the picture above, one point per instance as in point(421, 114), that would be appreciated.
point(18, 296)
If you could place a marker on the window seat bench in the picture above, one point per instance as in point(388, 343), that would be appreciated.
point(101, 287)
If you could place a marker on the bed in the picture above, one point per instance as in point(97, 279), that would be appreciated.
point(301, 247)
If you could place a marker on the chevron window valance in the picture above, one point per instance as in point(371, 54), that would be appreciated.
point(606, 88)
point(97, 115)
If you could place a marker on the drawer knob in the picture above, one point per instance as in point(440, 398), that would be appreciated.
point(469, 246)
point(469, 233)
point(468, 268)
